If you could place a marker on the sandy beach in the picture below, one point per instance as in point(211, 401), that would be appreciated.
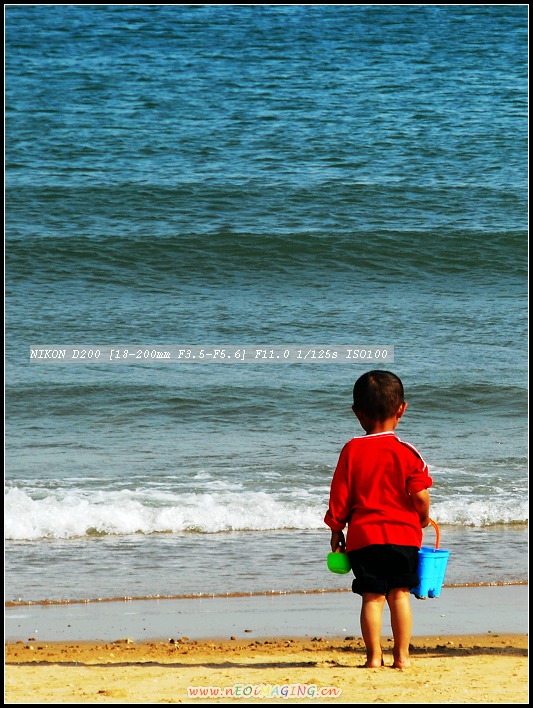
point(449, 664)
point(459, 669)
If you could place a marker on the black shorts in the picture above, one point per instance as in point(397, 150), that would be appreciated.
point(380, 568)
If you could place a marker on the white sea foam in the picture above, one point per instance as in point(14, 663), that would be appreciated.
point(71, 514)
point(481, 512)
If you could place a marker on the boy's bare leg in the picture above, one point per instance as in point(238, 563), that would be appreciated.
point(371, 619)
point(399, 600)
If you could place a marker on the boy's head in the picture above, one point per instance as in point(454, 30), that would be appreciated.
point(377, 395)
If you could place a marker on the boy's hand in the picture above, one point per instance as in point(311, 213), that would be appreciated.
point(337, 541)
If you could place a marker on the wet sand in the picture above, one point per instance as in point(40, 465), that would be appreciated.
point(464, 610)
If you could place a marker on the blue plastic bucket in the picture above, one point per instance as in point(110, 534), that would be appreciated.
point(432, 564)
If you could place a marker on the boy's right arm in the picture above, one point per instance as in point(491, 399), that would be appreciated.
point(421, 502)
point(338, 542)
point(339, 503)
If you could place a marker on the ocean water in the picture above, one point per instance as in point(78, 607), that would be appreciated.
point(214, 176)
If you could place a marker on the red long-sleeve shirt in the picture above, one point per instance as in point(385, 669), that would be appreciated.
point(370, 491)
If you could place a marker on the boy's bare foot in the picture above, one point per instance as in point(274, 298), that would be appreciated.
point(401, 664)
point(374, 663)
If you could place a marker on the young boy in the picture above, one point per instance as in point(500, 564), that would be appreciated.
point(380, 489)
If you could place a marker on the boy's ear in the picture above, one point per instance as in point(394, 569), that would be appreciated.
point(402, 409)
point(361, 417)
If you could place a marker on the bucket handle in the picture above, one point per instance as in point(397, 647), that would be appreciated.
point(437, 532)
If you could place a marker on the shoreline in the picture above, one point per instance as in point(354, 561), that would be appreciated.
point(226, 595)
point(471, 610)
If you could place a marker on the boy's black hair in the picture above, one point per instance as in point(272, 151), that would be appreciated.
point(378, 394)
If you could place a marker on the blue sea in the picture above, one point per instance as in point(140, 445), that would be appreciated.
point(213, 176)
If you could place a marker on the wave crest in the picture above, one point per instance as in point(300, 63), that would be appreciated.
point(73, 514)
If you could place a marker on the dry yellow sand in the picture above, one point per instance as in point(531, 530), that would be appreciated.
point(454, 669)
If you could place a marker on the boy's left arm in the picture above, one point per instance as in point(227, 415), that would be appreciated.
point(421, 502)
